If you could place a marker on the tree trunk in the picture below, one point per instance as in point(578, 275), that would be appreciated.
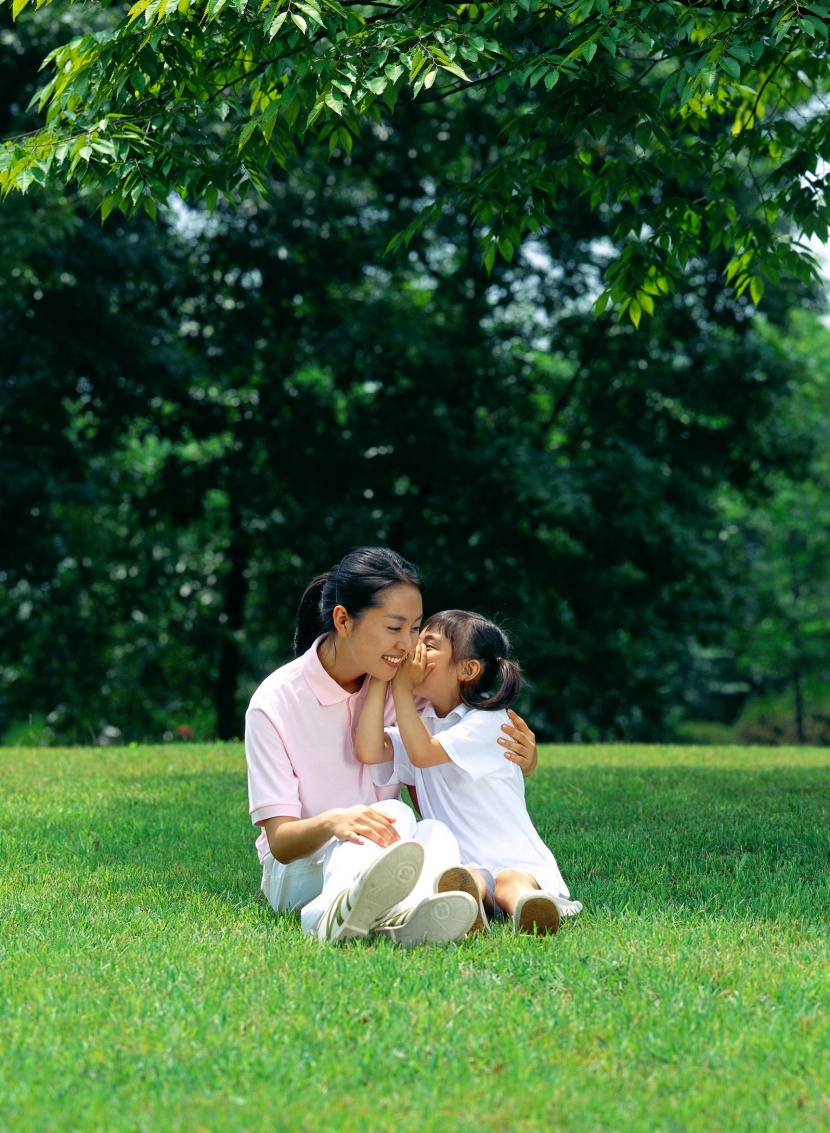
point(798, 688)
point(229, 724)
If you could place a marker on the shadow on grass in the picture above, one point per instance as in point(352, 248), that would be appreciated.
point(730, 842)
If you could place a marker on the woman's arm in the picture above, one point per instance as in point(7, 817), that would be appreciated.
point(371, 743)
point(293, 838)
point(521, 744)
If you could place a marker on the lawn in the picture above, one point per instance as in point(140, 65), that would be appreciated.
point(145, 985)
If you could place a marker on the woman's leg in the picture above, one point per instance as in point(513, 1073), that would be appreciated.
point(441, 852)
point(344, 862)
point(289, 887)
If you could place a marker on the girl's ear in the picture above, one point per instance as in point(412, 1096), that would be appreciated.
point(469, 671)
point(341, 621)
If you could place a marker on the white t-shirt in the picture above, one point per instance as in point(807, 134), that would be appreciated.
point(479, 794)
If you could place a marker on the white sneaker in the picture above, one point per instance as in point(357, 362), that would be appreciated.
point(435, 920)
point(460, 879)
point(367, 901)
point(536, 913)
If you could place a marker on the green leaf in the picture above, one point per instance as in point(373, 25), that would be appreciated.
point(277, 23)
point(300, 22)
point(334, 100)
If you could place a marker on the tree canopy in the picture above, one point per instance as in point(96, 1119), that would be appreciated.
point(695, 128)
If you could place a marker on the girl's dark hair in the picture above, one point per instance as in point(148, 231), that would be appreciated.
point(473, 637)
point(356, 582)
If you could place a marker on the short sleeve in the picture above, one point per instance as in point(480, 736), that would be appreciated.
point(472, 745)
point(404, 771)
point(273, 788)
point(383, 774)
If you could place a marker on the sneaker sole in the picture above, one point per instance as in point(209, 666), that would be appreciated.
point(458, 879)
point(537, 916)
point(388, 880)
point(436, 920)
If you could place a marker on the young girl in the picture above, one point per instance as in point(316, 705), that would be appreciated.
point(446, 751)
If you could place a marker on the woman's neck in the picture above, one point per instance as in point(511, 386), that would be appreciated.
point(339, 666)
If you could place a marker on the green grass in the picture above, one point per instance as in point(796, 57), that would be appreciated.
point(145, 985)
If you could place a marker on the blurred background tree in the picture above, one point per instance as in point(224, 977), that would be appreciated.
point(200, 414)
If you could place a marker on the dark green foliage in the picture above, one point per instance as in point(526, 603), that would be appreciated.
point(201, 414)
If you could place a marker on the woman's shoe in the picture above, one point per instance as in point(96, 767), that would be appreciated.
point(536, 913)
point(389, 879)
point(441, 919)
point(459, 879)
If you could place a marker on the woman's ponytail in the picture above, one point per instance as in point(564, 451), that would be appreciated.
point(309, 614)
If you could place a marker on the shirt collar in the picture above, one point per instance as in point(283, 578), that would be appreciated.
point(324, 687)
point(457, 713)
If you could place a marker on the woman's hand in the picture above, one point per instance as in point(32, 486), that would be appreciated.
point(357, 823)
point(521, 745)
point(413, 670)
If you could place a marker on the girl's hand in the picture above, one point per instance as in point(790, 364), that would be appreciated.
point(521, 745)
point(357, 823)
point(413, 670)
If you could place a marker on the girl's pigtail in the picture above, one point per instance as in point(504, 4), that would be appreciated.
point(508, 690)
point(511, 683)
point(500, 674)
point(309, 615)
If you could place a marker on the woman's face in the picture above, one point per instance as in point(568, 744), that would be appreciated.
point(382, 636)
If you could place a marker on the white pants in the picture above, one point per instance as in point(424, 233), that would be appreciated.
point(312, 883)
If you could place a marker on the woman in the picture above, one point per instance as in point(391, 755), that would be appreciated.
point(350, 854)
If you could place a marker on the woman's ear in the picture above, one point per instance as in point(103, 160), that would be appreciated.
point(469, 671)
point(341, 621)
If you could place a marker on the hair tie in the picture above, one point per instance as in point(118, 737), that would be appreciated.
point(499, 659)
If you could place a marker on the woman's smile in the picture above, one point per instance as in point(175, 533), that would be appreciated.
point(393, 659)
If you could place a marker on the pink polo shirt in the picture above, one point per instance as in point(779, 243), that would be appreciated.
point(299, 743)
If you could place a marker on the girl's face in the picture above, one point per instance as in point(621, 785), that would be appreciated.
point(443, 682)
point(381, 637)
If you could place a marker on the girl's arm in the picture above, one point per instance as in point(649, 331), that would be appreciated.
point(293, 838)
point(422, 748)
point(371, 743)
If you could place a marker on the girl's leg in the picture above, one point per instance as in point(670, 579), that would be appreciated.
point(510, 885)
point(465, 879)
point(533, 910)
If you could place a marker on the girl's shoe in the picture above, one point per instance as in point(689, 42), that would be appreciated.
point(435, 920)
point(389, 879)
point(459, 879)
point(536, 913)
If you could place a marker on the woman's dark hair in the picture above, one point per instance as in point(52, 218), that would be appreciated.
point(473, 637)
point(356, 582)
